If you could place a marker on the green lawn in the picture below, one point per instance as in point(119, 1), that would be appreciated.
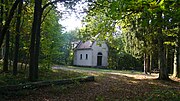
point(104, 70)
point(44, 74)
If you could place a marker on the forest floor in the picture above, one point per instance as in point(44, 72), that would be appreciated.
point(109, 85)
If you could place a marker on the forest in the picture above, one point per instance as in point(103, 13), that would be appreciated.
point(142, 36)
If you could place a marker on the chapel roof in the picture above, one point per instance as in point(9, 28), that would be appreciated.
point(85, 45)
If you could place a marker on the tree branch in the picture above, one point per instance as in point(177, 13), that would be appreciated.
point(46, 14)
point(55, 1)
point(8, 21)
point(50, 3)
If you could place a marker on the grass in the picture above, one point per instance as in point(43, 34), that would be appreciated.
point(105, 70)
point(58, 74)
point(44, 74)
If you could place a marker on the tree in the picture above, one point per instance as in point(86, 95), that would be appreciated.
point(16, 52)
point(6, 56)
point(148, 22)
point(35, 41)
point(51, 39)
point(35, 36)
point(8, 21)
point(175, 14)
point(2, 13)
point(69, 38)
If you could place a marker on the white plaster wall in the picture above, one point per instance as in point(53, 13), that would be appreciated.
point(75, 58)
point(104, 50)
point(83, 61)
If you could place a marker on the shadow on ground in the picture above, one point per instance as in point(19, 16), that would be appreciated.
point(107, 87)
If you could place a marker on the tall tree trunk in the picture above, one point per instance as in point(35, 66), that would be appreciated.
point(167, 58)
point(171, 65)
point(38, 37)
point(176, 67)
point(178, 54)
point(163, 74)
point(150, 63)
point(1, 13)
point(11, 54)
point(1, 24)
point(178, 62)
point(16, 52)
point(175, 62)
point(35, 41)
point(2, 52)
point(35, 38)
point(146, 66)
point(5, 62)
point(8, 21)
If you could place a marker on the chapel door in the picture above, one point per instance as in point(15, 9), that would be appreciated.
point(99, 59)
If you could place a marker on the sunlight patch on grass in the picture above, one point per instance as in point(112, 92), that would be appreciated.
point(95, 74)
point(113, 77)
point(137, 76)
point(103, 70)
point(55, 70)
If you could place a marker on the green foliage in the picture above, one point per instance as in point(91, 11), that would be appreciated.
point(123, 61)
point(68, 39)
point(139, 23)
point(56, 46)
point(51, 39)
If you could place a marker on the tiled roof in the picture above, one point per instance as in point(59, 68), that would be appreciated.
point(85, 45)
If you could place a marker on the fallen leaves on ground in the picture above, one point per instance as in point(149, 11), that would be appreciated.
point(108, 87)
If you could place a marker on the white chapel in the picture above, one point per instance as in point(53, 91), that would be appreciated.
point(91, 54)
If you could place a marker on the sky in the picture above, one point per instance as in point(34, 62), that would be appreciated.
point(71, 20)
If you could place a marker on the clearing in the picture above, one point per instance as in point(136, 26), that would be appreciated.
point(109, 85)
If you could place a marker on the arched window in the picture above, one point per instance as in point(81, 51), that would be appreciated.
point(99, 54)
point(86, 56)
point(80, 56)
